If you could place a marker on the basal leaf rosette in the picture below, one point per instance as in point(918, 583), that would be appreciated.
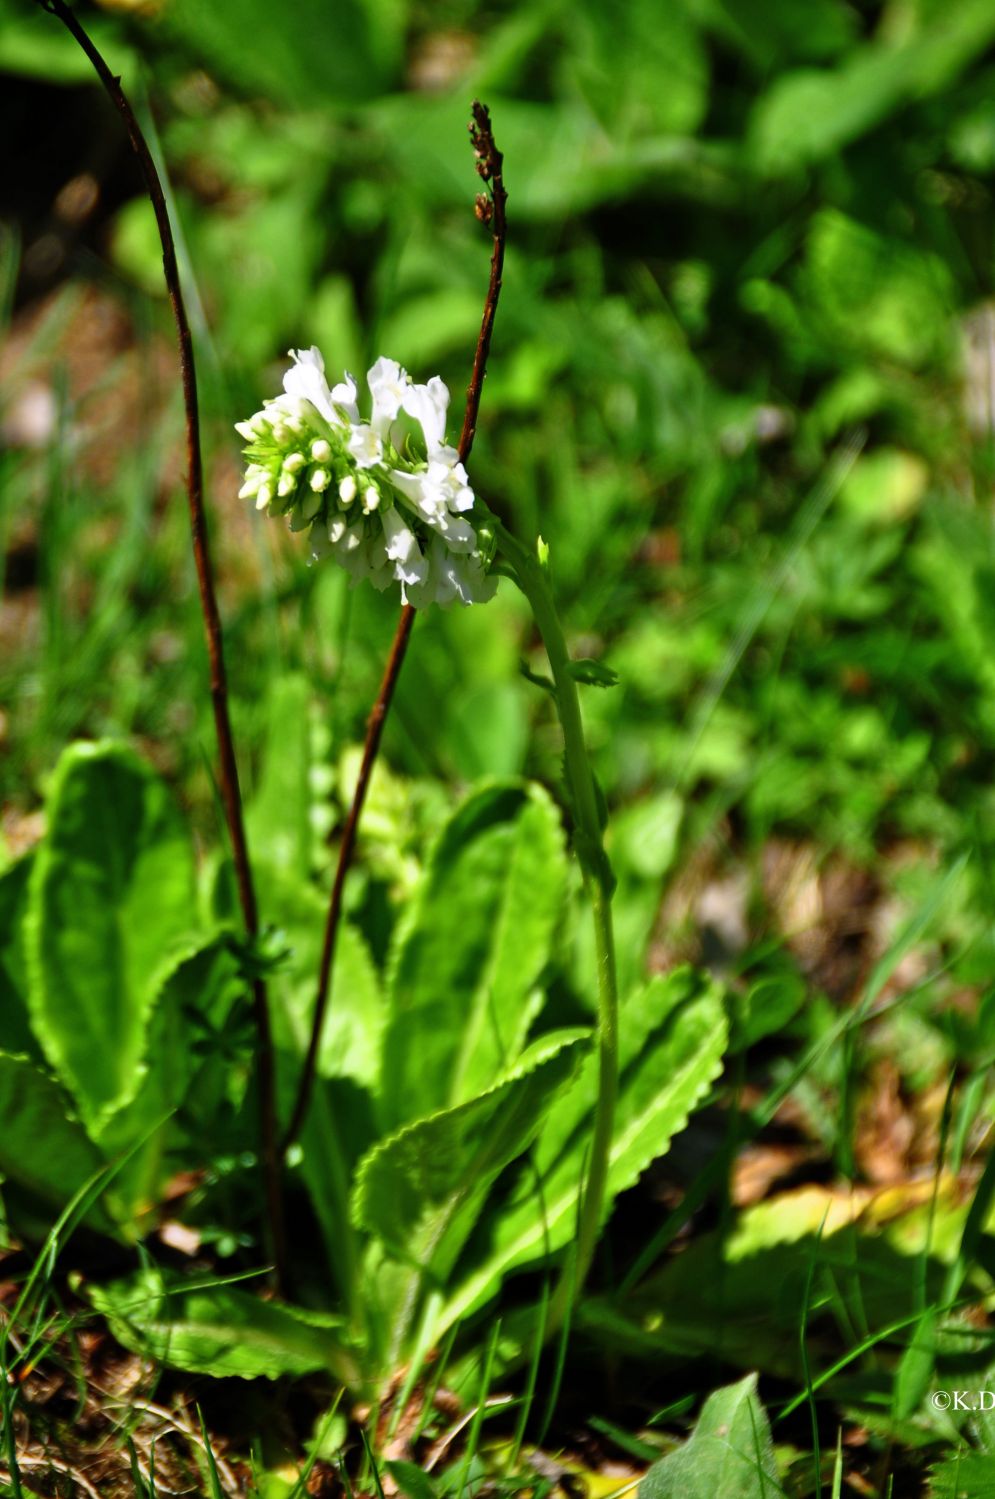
point(387, 497)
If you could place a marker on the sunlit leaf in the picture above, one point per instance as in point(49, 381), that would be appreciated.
point(112, 907)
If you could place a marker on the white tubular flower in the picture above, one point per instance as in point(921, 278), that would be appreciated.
point(306, 381)
point(344, 398)
point(389, 385)
point(428, 405)
point(402, 548)
point(365, 445)
point(360, 490)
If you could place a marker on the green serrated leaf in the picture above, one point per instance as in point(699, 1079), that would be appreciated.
point(593, 673)
point(420, 1190)
point(472, 948)
point(965, 1475)
point(729, 1455)
point(111, 905)
point(221, 1330)
point(673, 1037)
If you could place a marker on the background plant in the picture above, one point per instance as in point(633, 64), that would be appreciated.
point(714, 280)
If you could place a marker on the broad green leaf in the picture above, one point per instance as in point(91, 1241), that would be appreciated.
point(42, 1147)
point(111, 906)
point(191, 1004)
point(478, 935)
point(16, 1034)
point(963, 1475)
point(353, 1032)
point(420, 1190)
point(729, 1455)
point(220, 1330)
point(673, 1035)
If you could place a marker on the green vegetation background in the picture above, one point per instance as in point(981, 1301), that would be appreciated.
point(740, 232)
point(743, 382)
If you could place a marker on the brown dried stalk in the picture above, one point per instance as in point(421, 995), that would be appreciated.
point(490, 209)
point(230, 794)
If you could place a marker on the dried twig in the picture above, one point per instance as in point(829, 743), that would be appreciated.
point(490, 209)
point(230, 793)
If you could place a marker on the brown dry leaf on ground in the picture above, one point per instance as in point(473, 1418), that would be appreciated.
point(759, 1168)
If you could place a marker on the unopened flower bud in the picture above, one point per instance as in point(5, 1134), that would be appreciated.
point(320, 450)
point(320, 479)
point(347, 490)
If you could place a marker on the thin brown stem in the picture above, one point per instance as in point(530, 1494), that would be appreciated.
point(491, 211)
point(230, 793)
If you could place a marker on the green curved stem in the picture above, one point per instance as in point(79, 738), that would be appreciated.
point(530, 575)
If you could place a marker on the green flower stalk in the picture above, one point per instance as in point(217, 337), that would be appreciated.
point(531, 575)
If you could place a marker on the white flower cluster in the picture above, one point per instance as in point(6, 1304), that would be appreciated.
point(387, 504)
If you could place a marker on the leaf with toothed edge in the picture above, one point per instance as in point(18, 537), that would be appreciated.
point(221, 1330)
point(673, 1034)
point(421, 1190)
point(111, 908)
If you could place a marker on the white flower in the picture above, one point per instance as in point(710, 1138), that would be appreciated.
point(403, 549)
point(450, 578)
point(344, 397)
point(366, 498)
point(437, 495)
point(305, 380)
point(428, 405)
point(389, 385)
point(365, 445)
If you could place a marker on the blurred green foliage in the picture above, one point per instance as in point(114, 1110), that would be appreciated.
point(742, 381)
